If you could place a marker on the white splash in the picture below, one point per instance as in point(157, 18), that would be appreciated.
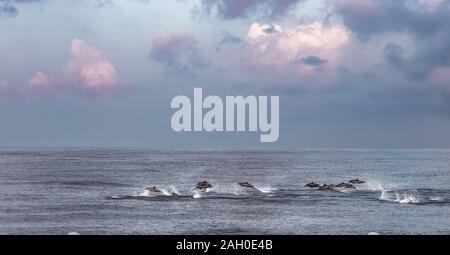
point(197, 194)
point(406, 199)
point(265, 189)
point(174, 190)
point(384, 195)
point(399, 198)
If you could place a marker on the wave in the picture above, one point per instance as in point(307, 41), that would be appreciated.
point(437, 199)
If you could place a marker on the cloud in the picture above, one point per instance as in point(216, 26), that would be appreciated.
point(426, 23)
point(89, 68)
point(280, 50)
point(369, 17)
point(278, 45)
point(228, 38)
point(231, 9)
point(39, 80)
point(87, 72)
point(432, 52)
point(429, 6)
point(313, 61)
point(8, 7)
point(394, 54)
point(9, 11)
point(104, 3)
point(179, 53)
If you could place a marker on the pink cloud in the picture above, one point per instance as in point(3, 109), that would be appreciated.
point(274, 45)
point(39, 80)
point(89, 68)
point(87, 71)
point(305, 52)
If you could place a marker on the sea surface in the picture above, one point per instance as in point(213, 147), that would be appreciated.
point(101, 191)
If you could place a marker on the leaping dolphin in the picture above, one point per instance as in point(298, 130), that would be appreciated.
point(246, 185)
point(356, 181)
point(342, 185)
point(327, 186)
point(203, 185)
point(153, 189)
point(349, 186)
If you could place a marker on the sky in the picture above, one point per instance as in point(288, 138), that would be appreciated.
point(349, 74)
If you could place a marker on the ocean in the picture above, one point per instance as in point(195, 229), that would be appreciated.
point(101, 191)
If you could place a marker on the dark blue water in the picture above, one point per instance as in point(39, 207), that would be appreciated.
point(100, 191)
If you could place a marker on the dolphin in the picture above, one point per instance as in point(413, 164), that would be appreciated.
point(350, 186)
point(342, 185)
point(312, 185)
point(246, 185)
point(327, 186)
point(153, 189)
point(356, 181)
point(203, 185)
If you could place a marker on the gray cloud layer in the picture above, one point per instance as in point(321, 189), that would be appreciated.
point(372, 17)
point(426, 22)
point(231, 9)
